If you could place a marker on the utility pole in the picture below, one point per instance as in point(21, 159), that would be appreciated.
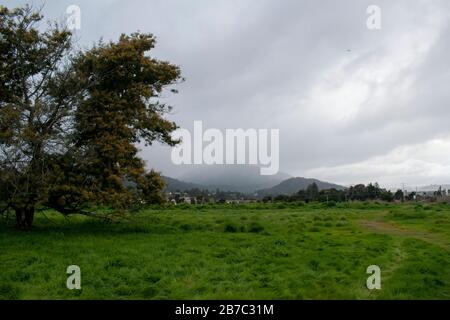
point(403, 192)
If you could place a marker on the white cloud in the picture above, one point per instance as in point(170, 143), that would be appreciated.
point(417, 164)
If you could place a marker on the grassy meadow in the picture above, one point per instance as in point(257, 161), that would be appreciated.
point(252, 251)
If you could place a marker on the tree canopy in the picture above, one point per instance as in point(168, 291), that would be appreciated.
point(70, 119)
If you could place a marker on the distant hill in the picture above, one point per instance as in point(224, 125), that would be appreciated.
point(173, 185)
point(293, 185)
point(241, 178)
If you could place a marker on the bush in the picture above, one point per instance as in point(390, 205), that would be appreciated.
point(229, 227)
point(9, 292)
point(330, 204)
point(186, 227)
point(255, 227)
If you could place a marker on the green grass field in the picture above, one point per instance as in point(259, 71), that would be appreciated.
point(257, 251)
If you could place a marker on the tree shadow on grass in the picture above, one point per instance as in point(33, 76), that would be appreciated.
point(88, 227)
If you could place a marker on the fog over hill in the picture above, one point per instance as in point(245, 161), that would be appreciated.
point(242, 178)
point(247, 179)
point(173, 185)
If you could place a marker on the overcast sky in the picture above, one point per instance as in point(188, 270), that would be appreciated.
point(352, 104)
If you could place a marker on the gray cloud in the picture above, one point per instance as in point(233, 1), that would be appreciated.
point(345, 98)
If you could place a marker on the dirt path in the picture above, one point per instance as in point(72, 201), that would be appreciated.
point(393, 229)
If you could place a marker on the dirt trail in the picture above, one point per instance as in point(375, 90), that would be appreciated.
point(392, 229)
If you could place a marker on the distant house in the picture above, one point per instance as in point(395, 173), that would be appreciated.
point(239, 201)
point(188, 200)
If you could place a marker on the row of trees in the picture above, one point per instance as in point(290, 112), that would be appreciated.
point(70, 119)
point(358, 192)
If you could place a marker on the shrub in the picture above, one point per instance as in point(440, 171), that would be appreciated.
point(229, 227)
point(255, 227)
point(330, 204)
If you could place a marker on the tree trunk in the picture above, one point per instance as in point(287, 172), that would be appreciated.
point(24, 218)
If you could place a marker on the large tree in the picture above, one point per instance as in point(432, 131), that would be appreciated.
point(70, 121)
